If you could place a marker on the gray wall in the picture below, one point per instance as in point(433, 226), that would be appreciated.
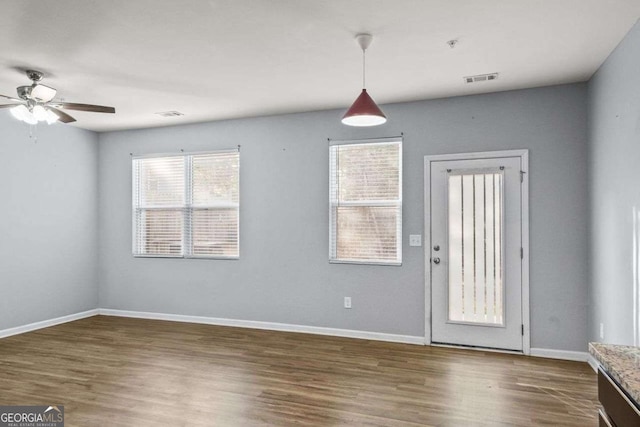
point(283, 274)
point(614, 188)
point(48, 222)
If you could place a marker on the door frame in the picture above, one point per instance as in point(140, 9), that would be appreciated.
point(524, 209)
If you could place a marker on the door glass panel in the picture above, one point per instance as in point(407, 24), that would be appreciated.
point(475, 279)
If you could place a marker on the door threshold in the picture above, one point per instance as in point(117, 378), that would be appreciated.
point(477, 348)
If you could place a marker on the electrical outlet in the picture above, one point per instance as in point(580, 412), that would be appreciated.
point(601, 331)
point(415, 239)
point(347, 302)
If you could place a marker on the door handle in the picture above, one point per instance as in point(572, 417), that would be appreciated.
point(436, 260)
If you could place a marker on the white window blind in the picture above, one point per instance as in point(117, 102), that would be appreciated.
point(187, 205)
point(366, 202)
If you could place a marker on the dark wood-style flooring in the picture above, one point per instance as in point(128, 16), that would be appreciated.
point(110, 371)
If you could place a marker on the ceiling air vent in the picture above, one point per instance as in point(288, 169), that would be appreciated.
point(170, 113)
point(481, 78)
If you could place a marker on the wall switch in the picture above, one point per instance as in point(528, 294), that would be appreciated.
point(347, 302)
point(601, 331)
point(415, 239)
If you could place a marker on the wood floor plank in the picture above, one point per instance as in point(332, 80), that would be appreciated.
point(134, 372)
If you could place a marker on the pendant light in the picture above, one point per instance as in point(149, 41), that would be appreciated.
point(364, 111)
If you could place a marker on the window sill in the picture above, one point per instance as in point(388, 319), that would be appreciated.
point(230, 258)
point(365, 262)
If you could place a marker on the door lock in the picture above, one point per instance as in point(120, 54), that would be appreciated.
point(436, 260)
point(436, 248)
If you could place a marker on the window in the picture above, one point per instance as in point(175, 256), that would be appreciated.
point(186, 205)
point(366, 202)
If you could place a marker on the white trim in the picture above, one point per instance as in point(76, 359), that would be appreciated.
point(524, 212)
point(187, 208)
point(4, 333)
point(365, 262)
point(382, 140)
point(593, 363)
point(479, 155)
point(283, 327)
point(524, 200)
point(578, 356)
point(486, 350)
point(270, 326)
point(427, 249)
point(334, 202)
point(184, 153)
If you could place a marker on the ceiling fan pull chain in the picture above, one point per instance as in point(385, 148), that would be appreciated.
point(33, 133)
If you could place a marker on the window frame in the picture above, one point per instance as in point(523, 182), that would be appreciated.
point(187, 209)
point(334, 203)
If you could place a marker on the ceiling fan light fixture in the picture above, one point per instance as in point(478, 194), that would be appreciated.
point(42, 93)
point(51, 117)
point(18, 112)
point(364, 111)
point(30, 118)
point(22, 113)
point(39, 113)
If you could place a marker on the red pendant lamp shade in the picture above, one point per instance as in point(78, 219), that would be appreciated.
point(364, 112)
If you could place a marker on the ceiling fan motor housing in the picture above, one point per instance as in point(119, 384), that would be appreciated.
point(24, 92)
point(34, 75)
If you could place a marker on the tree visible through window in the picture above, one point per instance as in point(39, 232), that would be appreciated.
point(366, 202)
point(187, 205)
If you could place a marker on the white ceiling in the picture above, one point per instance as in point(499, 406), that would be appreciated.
point(222, 59)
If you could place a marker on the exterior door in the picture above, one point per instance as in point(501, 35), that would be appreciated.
point(476, 252)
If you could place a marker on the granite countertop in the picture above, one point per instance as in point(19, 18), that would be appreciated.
point(622, 363)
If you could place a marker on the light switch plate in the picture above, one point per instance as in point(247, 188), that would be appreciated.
point(415, 239)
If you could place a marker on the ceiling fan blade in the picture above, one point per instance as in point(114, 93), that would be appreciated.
point(63, 117)
point(84, 107)
point(9, 105)
point(42, 93)
point(10, 98)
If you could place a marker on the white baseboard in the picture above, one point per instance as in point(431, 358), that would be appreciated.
point(46, 323)
point(593, 363)
point(271, 326)
point(578, 356)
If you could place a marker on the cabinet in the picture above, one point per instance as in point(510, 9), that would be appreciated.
point(618, 409)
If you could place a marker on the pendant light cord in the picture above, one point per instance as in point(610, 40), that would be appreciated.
point(364, 51)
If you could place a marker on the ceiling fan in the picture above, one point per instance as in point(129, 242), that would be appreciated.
point(36, 103)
